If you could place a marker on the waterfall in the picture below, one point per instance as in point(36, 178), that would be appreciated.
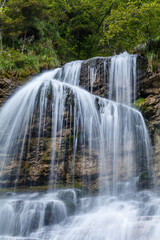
point(122, 78)
point(55, 133)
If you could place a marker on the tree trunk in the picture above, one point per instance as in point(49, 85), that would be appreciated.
point(13, 42)
point(24, 41)
point(1, 40)
point(79, 46)
point(2, 3)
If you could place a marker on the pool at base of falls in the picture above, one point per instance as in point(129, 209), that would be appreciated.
point(66, 215)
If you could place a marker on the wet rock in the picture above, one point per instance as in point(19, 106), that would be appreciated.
point(55, 212)
point(69, 197)
point(49, 215)
point(94, 75)
point(7, 87)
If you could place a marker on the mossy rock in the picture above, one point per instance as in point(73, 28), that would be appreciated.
point(140, 102)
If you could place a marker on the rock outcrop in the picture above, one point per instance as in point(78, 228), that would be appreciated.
point(149, 105)
point(94, 77)
point(7, 87)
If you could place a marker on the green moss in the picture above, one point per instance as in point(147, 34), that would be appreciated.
point(69, 140)
point(26, 167)
point(40, 188)
point(139, 102)
point(154, 61)
point(78, 185)
point(143, 176)
point(24, 189)
point(46, 156)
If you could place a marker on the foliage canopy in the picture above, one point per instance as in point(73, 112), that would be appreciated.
point(56, 31)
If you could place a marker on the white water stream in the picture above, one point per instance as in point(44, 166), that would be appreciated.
point(117, 143)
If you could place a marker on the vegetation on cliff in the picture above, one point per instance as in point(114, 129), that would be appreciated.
point(37, 35)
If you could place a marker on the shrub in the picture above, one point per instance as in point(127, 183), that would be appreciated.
point(18, 64)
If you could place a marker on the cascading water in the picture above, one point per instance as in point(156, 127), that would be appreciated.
point(54, 132)
point(122, 78)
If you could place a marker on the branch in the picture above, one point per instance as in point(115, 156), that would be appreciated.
point(107, 12)
point(92, 17)
point(2, 6)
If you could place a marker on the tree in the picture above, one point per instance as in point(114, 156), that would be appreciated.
point(21, 18)
point(130, 24)
point(2, 10)
point(78, 28)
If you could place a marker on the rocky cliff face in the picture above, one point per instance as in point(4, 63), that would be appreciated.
point(7, 87)
point(94, 78)
point(149, 105)
point(148, 96)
